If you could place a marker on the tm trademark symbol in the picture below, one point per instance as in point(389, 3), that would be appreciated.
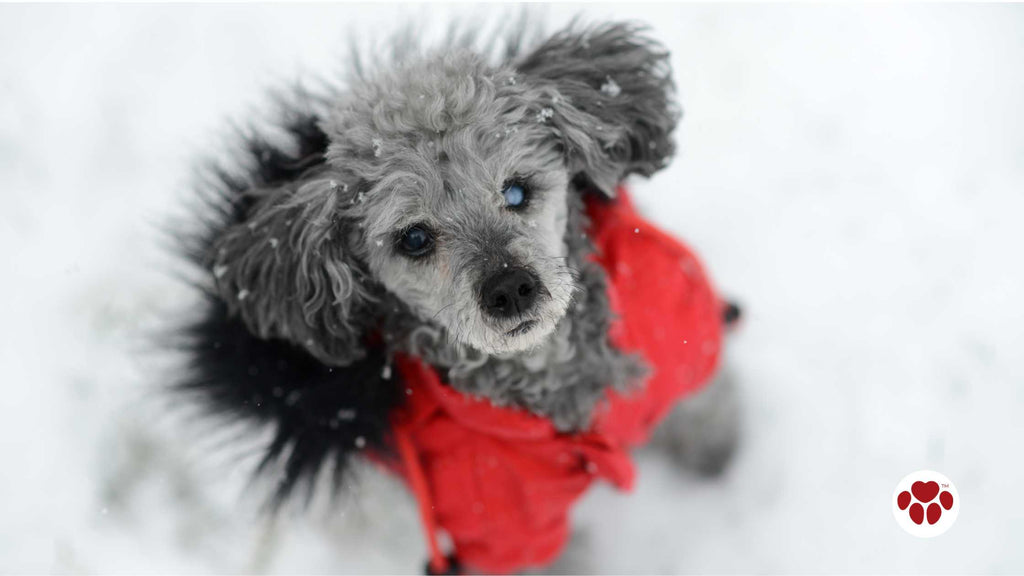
point(945, 485)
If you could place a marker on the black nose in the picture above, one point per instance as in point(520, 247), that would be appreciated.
point(509, 292)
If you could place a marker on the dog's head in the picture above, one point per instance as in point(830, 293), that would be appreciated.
point(446, 184)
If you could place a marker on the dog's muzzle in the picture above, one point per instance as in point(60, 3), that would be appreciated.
point(509, 292)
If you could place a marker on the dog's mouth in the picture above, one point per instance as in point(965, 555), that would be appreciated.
point(522, 328)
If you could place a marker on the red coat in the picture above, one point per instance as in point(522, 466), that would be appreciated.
point(500, 481)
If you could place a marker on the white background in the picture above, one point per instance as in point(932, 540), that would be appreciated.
point(852, 174)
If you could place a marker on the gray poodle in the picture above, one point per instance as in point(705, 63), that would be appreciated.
point(433, 207)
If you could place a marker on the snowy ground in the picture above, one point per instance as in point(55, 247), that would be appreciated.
point(853, 174)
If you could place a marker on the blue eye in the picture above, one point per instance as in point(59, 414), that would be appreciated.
point(515, 195)
point(416, 241)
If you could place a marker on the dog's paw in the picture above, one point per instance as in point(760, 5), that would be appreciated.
point(708, 460)
point(703, 432)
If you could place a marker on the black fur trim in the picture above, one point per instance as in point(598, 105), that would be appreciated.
point(319, 414)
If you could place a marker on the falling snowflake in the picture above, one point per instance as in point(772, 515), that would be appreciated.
point(274, 242)
point(378, 145)
point(219, 271)
point(610, 87)
point(243, 294)
point(385, 372)
point(360, 442)
point(544, 115)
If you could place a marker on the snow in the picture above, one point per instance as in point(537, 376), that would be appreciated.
point(610, 87)
point(852, 174)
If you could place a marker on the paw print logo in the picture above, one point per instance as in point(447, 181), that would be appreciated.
point(925, 503)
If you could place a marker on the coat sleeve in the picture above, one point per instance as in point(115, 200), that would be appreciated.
point(668, 312)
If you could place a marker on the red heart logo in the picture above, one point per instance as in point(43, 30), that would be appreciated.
point(925, 491)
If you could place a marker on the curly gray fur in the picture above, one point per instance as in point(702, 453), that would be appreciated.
point(429, 140)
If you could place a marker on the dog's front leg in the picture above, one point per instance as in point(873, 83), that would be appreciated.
point(702, 432)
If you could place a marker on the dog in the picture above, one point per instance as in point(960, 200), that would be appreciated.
point(424, 254)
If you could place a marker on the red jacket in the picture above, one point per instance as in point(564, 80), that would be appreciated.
point(500, 481)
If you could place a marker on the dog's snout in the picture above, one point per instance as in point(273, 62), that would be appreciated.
point(509, 292)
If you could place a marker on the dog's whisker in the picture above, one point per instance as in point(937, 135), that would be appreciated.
point(442, 310)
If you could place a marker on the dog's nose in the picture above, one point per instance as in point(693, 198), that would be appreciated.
point(509, 292)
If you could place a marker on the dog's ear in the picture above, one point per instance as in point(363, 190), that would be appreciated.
point(290, 272)
point(619, 110)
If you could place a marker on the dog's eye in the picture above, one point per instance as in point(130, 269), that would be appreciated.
point(517, 194)
point(416, 241)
